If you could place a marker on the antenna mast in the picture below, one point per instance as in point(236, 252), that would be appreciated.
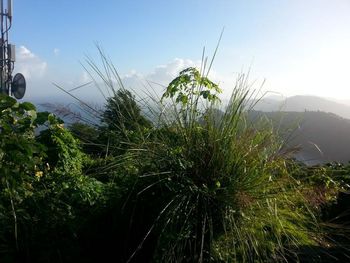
point(9, 86)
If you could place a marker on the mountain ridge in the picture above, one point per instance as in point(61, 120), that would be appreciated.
point(300, 103)
point(321, 137)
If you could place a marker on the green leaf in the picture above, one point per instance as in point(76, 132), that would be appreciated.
point(52, 119)
point(6, 102)
point(42, 117)
point(27, 106)
point(184, 99)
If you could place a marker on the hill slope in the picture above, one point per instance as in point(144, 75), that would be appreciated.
point(303, 103)
point(322, 137)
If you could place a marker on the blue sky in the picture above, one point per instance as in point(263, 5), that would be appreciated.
point(299, 47)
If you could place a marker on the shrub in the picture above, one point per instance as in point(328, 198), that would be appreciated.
point(202, 184)
point(20, 162)
point(221, 186)
point(44, 197)
point(122, 122)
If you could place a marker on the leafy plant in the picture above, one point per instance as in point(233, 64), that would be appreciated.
point(20, 160)
point(44, 197)
point(190, 82)
point(122, 122)
point(226, 192)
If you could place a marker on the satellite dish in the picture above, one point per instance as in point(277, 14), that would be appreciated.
point(18, 86)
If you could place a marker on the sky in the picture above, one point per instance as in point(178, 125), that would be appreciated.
point(296, 46)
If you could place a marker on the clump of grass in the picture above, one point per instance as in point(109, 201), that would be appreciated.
point(228, 195)
point(216, 186)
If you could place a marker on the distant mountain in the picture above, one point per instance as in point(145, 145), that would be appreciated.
point(303, 103)
point(342, 101)
point(322, 137)
point(71, 112)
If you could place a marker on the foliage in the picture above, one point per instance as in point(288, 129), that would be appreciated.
point(20, 161)
point(62, 149)
point(122, 113)
point(43, 194)
point(20, 154)
point(190, 82)
point(200, 184)
point(226, 192)
point(88, 136)
point(122, 122)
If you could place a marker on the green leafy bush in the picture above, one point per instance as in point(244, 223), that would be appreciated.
point(20, 163)
point(200, 184)
point(221, 186)
point(44, 197)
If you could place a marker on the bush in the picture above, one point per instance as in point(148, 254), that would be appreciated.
point(201, 184)
point(44, 197)
point(222, 189)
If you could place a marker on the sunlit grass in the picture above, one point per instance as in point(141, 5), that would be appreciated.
point(220, 186)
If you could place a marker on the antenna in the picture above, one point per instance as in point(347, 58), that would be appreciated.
point(9, 9)
point(18, 87)
point(11, 86)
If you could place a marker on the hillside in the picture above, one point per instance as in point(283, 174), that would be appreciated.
point(322, 137)
point(303, 103)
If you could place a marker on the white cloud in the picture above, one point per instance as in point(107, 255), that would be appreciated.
point(162, 75)
point(30, 65)
point(84, 78)
point(152, 82)
point(158, 78)
point(25, 53)
point(56, 51)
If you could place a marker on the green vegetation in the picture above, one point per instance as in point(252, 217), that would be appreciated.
point(185, 185)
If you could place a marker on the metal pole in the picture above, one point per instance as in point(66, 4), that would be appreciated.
point(11, 86)
point(7, 59)
point(4, 67)
point(2, 82)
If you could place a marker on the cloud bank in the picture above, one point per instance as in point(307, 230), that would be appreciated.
point(29, 64)
point(40, 78)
